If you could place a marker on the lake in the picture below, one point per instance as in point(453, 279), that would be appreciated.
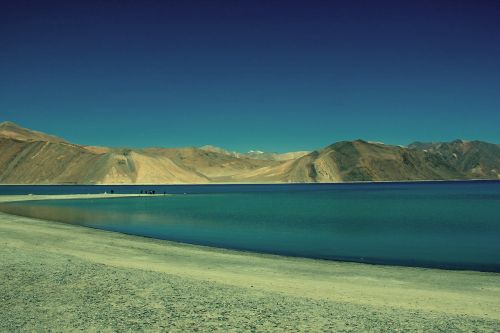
point(453, 225)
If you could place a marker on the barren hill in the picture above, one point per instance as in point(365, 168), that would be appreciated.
point(31, 157)
point(363, 161)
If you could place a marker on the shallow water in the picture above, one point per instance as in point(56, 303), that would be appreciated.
point(446, 224)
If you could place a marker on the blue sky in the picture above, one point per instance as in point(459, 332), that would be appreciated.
point(268, 75)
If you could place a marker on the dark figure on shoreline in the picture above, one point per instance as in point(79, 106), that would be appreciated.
point(148, 192)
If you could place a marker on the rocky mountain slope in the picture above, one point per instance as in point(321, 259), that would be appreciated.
point(30, 157)
point(362, 161)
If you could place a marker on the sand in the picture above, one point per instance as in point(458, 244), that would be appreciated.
point(61, 277)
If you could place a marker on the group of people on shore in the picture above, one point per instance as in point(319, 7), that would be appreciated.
point(148, 192)
point(152, 192)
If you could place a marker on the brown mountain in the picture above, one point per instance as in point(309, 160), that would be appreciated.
point(30, 157)
point(363, 161)
point(470, 158)
point(11, 130)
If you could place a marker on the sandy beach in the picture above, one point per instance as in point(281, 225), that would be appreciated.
point(61, 277)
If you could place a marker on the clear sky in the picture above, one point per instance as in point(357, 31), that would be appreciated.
point(268, 75)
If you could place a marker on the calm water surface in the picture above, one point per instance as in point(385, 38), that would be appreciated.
point(449, 224)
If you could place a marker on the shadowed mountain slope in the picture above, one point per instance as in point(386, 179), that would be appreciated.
point(470, 158)
point(362, 161)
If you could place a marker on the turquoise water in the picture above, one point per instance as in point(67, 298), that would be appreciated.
point(448, 225)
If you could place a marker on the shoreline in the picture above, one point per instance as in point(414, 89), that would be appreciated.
point(32, 197)
point(44, 197)
point(357, 295)
point(270, 183)
point(369, 261)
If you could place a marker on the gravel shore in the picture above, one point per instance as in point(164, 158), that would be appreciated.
point(58, 277)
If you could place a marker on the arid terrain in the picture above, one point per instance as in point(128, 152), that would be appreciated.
point(31, 157)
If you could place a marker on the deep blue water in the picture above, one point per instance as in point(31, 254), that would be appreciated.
point(453, 225)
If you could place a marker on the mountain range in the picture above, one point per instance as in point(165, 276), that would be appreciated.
point(32, 157)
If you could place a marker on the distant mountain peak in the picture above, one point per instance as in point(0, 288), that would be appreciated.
point(215, 149)
point(256, 154)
